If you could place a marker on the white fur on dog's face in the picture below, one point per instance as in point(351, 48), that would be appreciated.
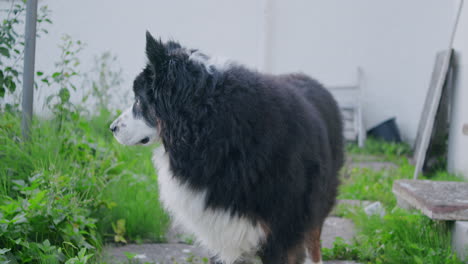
point(129, 129)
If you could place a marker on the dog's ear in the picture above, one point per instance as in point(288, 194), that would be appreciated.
point(155, 51)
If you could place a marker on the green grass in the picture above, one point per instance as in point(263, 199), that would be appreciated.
point(72, 187)
point(62, 192)
point(133, 193)
point(367, 184)
point(389, 150)
point(135, 197)
point(400, 236)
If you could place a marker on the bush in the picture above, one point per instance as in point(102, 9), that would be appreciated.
point(62, 191)
point(44, 201)
point(71, 187)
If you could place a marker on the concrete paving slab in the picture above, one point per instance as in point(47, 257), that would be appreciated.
point(353, 203)
point(332, 228)
point(339, 262)
point(175, 252)
point(156, 253)
point(337, 227)
point(362, 157)
point(373, 165)
point(437, 199)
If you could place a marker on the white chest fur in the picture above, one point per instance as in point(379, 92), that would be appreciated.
point(228, 237)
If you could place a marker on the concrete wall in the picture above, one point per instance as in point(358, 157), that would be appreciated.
point(230, 29)
point(458, 140)
point(393, 41)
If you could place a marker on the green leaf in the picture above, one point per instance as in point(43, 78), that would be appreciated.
point(56, 74)
point(70, 244)
point(64, 94)
point(37, 199)
point(4, 250)
point(10, 84)
point(130, 255)
point(19, 219)
point(119, 229)
point(39, 73)
point(5, 52)
point(18, 241)
point(46, 243)
point(14, 72)
point(20, 183)
point(82, 253)
point(1, 78)
point(418, 260)
point(73, 260)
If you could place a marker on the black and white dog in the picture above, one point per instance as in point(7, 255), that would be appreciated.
point(249, 161)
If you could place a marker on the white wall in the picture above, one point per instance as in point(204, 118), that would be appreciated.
point(393, 41)
point(458, 141)
point(229, 29)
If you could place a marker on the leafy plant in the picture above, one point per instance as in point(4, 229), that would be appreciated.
point(119, 229)
point(46, 205)
point(61, 191)
point(63, 81)
point(103, 79)
point(82, 258)
point(69, 186)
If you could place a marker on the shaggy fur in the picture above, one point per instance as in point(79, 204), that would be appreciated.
point(254, 152)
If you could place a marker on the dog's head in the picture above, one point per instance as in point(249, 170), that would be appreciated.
point(171, 84)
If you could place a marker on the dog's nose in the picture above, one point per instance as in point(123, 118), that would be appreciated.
point(113, 128)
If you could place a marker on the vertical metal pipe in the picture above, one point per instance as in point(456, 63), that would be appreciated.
point(28, 72)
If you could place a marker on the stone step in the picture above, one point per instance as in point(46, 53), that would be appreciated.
point(438, 200)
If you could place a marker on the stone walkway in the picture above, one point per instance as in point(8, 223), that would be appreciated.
point(177, 251)
point(170, 254)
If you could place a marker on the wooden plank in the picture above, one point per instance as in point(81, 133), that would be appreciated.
point(431, 104)
point(432, 100)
